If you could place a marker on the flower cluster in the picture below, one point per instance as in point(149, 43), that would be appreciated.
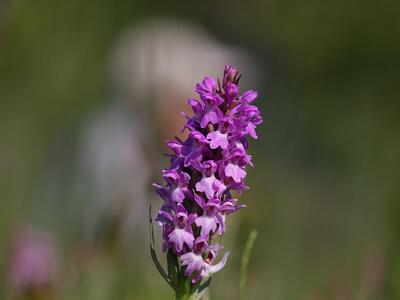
point(205, 169)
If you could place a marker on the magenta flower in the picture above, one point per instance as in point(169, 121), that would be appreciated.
point(182, 234)
point(204, 170)
point(209, 184)
point(195, 263)
point(218, 139)
point(33, 264)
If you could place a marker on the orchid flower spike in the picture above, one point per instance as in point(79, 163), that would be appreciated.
point(204, 170)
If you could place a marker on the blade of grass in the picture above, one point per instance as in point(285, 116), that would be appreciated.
point(245, 263)
point(154, 255)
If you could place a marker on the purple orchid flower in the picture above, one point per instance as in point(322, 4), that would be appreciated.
point(211, 219)
point(204, 169)
point(209, 184)
point(178, 184)
point(200, 262)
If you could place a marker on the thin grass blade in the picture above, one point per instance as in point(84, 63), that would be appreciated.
point(245, 263)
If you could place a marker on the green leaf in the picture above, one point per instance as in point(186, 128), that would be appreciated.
point(245, 262)
point(173, 268)
point(154, 255)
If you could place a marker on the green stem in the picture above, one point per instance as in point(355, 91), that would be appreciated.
point(183, 296)
point(245, 263)
point(183, 291)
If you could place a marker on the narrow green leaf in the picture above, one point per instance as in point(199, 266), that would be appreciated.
point(173, 268)
point(245, 263)
point(153, 252)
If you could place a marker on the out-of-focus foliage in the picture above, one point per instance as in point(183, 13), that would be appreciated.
point(325, 195)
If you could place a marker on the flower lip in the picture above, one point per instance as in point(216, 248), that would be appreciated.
point(218, 139)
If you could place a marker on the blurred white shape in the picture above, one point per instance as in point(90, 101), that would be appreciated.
point(115, 172)
point(163, 55)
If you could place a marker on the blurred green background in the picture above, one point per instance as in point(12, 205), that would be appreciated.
point(325, 194)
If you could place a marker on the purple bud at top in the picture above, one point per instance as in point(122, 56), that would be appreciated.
point(231, 92)
point(230, 74)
